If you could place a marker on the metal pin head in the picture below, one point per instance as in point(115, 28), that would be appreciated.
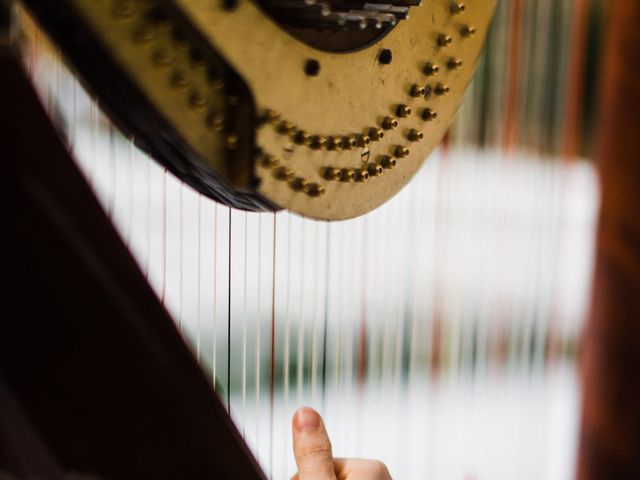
point(271, 116)
point(442, 89)
point(467, 31)
point(162, 57)
point(389, 123)
point(268, 161)
point(363, 140)
point(349, 142)
point(387, 162)
point(179, 80)
point(215, 121)
point(457, 8)
point(144, 33)
point(403, 111)
point(231, 142)
point(415, 135)
point(431, 69)
point(331, 173)
point(429, 115)
point(197, 101)
point(286, 128)
point(314, 190)
point(302, 138)
point(298, 184)
point(347, 175)
point(283, 173)
point(444, 40)
point(400, 151)
point(361, 175)
point(417, 90)
point(376, 134)
point(318, 142)
point(374, 170)
point(454, 63)
point(334, 143)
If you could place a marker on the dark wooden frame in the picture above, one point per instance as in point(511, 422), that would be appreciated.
point(610, 438)
point(87, 352)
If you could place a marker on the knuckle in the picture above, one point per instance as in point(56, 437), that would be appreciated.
point(314, 452)
point(379, 470)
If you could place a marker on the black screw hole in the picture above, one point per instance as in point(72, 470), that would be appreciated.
point(312, 67)
point(385, 56)
point(229, 4)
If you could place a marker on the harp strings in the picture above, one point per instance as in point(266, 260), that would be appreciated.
point(458, 302)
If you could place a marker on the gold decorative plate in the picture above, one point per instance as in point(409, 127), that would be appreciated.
point(326, 108)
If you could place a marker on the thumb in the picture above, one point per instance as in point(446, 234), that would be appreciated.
point(311, 446)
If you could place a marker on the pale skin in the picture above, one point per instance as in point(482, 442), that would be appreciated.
point(312, 449)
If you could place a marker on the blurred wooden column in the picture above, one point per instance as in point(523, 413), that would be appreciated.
point(610, 439)
point(575, 95)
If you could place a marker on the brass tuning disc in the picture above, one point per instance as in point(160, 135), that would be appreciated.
point(211, 106)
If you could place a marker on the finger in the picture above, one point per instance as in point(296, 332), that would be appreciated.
point(360, 469)
point(311, 446)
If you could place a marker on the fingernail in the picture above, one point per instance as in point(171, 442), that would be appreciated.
point(306, 420)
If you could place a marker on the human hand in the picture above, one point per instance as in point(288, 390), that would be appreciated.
point(312, 449)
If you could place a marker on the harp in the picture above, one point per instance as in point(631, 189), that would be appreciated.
point(259, 129)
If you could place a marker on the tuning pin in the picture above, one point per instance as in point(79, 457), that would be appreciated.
point(361, 175)
point(467, 31)
point(268, 161)
point(403, 111)
point(363, 140)
point(286, 128)
point(431, 69)
point(349, 142)
point(331, 173)
point(302, 138)
point(374, 170)
point(457, 8)
point(442, 89)
point(179, 80)
point(387, 162)
point(415, 135)
point(144, 33)
point(283, 173)
point(400, 151)
point(162, 57)
point(271, 116)
point(429, 115)
point(334, 143)
point(389, 123)
point(376, 134)
point(318, 142)
point(444, 40)
point(454, 64)
point(347, 175)
point(231, 141)
point(197, 101)
point(417, 91)
point(298, 184)
point(314, 190)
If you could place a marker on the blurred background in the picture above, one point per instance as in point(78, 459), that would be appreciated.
point(439, 333)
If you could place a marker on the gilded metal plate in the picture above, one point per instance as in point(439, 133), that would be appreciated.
point(327, 135)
